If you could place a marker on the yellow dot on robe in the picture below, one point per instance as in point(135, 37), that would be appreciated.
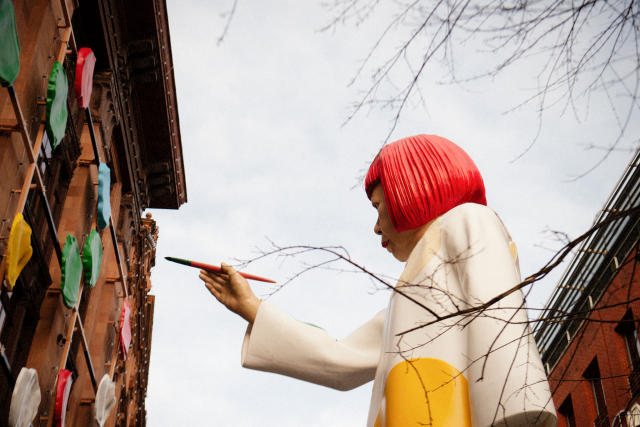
point(513, 250)
point(425, 391)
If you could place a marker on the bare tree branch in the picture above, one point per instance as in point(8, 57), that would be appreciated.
point(229, 17)
point(587, 47)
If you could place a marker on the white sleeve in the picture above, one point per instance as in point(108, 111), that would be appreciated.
point(278, 343)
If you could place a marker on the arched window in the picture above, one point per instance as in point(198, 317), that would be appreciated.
point(633, 416)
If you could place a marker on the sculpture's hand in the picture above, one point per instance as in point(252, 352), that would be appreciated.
point(232, 290)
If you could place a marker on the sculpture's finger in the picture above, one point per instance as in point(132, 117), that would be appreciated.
point(214, 277)
point(227, 269)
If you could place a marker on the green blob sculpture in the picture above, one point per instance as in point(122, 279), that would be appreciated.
point(10, 46)
point(92, 258)
point(71, 272)
point(57, 112)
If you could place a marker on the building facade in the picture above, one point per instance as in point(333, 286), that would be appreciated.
point(89, 138)
point(588, 336)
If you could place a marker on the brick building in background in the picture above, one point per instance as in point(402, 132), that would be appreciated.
point(63, 167)
point(589, 336)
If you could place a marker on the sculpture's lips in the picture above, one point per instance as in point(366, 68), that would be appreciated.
point(385, 243)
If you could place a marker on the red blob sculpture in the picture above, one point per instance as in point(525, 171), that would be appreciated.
point(84, 76)
point(423, 177)
point(63, 389)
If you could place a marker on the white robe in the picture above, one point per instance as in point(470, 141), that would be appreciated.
point(481, 369)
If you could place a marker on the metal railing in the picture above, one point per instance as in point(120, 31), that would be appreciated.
point(589, 273)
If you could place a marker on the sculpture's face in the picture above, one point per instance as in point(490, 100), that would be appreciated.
point(400, 244)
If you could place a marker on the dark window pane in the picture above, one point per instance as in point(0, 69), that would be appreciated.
point(592, 373)
point(566, 411)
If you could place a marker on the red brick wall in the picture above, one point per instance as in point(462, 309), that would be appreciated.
point(598, 338)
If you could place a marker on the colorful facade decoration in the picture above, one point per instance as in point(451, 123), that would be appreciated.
point(71, 272)
point(125, 329)
point(105, 399)
point(92, 258)
point(57, 104)
point(10, 46)
point(25, 399)
point(104, 196)
point(37, 329)
point(84, 76)
point(19, 250)
point(63, 389)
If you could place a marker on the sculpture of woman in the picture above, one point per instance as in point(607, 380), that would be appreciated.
point(435, 361)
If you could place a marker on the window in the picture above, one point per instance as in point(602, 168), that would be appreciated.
point(566, 411)
point(592, 373)
point(627, 328)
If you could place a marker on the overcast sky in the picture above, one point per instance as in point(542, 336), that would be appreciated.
point(267, 159)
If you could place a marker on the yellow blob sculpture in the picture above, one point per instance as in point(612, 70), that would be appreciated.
point(19, 250)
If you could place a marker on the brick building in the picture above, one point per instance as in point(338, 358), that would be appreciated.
point(589, 335)
point(88, 140)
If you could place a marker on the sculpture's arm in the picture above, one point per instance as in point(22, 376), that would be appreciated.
point(278, 343)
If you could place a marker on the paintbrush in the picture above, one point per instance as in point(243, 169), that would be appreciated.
point(215, 268)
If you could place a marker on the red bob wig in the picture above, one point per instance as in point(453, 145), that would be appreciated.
point(423, 177)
